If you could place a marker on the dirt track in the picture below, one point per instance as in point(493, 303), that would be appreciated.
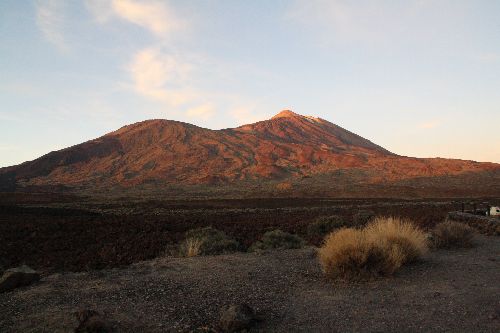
point(453, 291)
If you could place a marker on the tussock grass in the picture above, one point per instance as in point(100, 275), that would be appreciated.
point(451, 234)
point(207, 241)
point(193, 247)
point(380, 248)
point(397, 235)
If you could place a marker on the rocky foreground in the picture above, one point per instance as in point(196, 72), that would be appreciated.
point(449, 291)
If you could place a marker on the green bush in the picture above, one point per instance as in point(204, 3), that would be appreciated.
point(362, 217)
point(324, 225)
point(207, 241)
point(277, 239)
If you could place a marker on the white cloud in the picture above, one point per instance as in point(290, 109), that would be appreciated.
point(161, 77)
point(50, 20)
point(155, 74)
point(204, 112)
point(155, 16)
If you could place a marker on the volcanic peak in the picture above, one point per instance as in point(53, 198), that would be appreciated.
point(286, 114)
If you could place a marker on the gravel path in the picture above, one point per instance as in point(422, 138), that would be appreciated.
point(454, 291)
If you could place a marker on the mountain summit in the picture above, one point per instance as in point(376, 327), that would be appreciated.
point(300, 151)
point(286, 114)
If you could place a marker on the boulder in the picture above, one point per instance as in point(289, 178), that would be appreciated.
point(18, 277)
point(237, 318)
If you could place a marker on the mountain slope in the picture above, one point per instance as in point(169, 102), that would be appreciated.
point(286, 148)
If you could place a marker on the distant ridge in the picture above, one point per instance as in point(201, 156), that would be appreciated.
point(289, 153)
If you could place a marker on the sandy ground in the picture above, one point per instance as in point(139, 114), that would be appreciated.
point(452, 291)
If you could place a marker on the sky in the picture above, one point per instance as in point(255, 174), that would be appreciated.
point(418, 77)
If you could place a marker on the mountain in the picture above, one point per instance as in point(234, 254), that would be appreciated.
point(289, 153)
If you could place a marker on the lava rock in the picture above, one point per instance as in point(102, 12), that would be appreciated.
point(236, 318)
point(18, 277)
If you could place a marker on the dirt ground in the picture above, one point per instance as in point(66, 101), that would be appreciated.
point(452, 291)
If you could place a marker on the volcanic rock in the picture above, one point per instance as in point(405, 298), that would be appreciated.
point(237, 318)
point(18, 277)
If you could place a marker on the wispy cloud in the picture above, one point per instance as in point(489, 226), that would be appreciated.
point(159, 76)
point(50, 21)
point(158, 17)
point(155, 16)
point(173, 79)
point(154, 73)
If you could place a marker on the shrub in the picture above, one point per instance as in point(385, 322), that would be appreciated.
point(362, 217)
point(207, 241)
point(451, 234)
point(324, 225)
point(277, 239)
point(397, 235)
point(379, 249)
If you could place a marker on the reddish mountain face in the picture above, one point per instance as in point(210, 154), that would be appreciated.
point(287, 151)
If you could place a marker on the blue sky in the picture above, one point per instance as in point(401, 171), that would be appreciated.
point(418, 77)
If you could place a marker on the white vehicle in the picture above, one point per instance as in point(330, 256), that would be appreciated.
point(495, 211)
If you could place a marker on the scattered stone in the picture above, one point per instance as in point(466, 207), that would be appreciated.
point(236, 318)
point(18, 277)
point(91, 321)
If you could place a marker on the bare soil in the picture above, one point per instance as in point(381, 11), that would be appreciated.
point(452, 291)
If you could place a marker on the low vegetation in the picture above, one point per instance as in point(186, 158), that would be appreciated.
point(107, 239)
point(207, 241)
point(362, 218)
point(277, 239)
point(380, 248)
point(451, 234)
point(323, 225)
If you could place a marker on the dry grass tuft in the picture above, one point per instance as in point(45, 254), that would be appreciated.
point(380, 248)
point(399, 236)
point(451, 234)
point(207, 241)
point(193, 247)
